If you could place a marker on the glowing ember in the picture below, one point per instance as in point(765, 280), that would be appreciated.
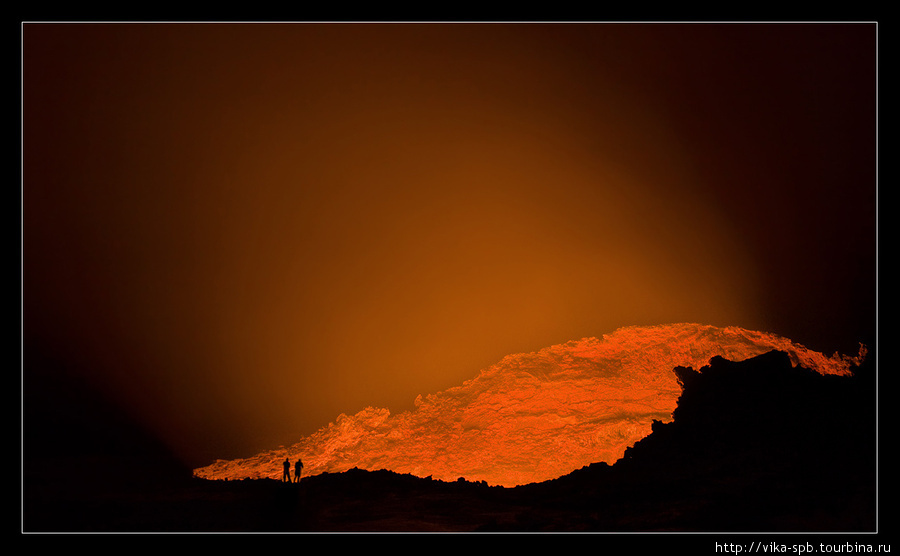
point(531, 417)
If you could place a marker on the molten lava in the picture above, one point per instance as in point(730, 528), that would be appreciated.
point(531, 417)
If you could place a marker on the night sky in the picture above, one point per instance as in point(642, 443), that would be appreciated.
point(238, 232)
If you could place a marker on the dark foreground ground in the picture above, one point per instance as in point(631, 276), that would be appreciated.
point(755, 446)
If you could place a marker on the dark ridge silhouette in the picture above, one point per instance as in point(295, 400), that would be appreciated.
point(754, 446)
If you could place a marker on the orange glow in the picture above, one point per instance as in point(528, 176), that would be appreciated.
point(238, 232)
point(530, 417)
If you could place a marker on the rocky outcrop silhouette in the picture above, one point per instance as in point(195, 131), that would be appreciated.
point(757, 445)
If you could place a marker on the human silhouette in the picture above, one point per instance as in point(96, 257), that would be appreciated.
point(286, 476)
point(298, 467)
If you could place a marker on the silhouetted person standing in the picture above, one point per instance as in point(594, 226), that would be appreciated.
point(286, 476)
point(298, 468)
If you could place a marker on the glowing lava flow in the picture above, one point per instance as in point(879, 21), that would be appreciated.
point(531, 417)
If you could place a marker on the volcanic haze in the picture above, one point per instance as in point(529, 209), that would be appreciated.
point(235, 232)
point(533, 416)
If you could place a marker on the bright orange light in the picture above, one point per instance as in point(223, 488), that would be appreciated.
point(533, 416)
